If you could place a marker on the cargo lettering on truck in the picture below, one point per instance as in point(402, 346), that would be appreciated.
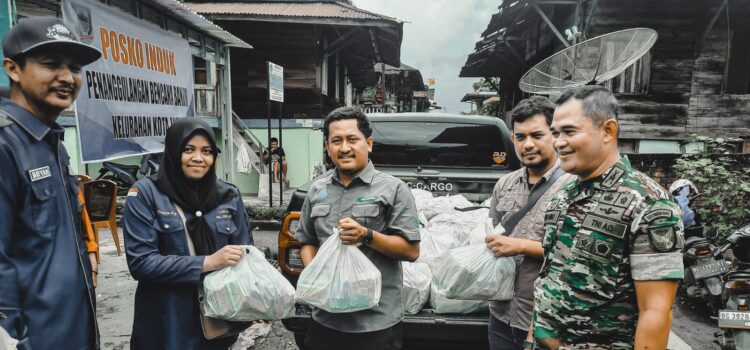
point(432, 186)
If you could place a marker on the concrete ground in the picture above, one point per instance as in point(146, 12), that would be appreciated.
point(115, 295)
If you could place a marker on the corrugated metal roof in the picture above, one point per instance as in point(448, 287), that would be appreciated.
point(322, 10)
point(191, 17)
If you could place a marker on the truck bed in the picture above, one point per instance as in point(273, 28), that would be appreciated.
point(425, 330)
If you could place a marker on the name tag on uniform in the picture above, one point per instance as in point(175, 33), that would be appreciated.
point(224, 214)
point(602, 225)
point(39, 173)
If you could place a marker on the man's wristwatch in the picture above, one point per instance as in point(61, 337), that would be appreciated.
point(368, 238)
point(528, 345)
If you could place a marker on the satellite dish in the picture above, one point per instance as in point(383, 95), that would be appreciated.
point(589, 62)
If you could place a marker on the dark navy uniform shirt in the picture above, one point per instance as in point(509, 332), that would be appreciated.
point(45, 274)
point(156, 245)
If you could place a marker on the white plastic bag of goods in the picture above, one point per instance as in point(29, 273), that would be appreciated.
point(479, 233)
point(474, 273)
point(442, 305)
point(6, 342)
point(416, 290)
point(339, 279)
point(445, 204)
point(434, 245)
point(487, 202)
point(459, 224)
point(251, 290)
point(421, 198)
point(422, 219)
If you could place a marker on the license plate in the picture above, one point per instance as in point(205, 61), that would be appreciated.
point(734, 319)
point(713, 268)
point(436, 186)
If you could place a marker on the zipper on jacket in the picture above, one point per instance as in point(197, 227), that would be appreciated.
point(78, 246)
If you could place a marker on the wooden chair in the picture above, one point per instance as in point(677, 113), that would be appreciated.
point(89, 229)
point(82, 179)
point(101, 196)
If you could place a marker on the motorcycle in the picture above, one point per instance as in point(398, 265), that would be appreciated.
point(734, 317)
point(125, 176)
point(703, 270)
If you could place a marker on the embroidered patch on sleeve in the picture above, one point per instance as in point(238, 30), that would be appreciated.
point(663, 239)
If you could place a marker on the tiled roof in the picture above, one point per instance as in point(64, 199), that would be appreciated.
point(178, 9)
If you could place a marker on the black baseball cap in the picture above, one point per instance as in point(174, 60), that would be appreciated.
point(47, 33)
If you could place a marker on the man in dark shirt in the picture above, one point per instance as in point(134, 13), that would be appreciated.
point(46, 287)
point(534, 145)
point(277, 156)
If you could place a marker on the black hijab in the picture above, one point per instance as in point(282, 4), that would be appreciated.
point(194, 196)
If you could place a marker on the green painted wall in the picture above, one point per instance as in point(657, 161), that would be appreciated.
point(303, 149)
point(658, 146)
point(7, 17)
point(71, 145)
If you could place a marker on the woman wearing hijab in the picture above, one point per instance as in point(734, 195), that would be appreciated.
point(169, 258)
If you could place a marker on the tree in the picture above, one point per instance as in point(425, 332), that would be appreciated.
point(487, 84)
point(725, 182)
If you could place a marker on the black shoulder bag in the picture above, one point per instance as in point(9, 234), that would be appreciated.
point(536, 193)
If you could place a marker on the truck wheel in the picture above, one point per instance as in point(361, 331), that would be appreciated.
point(300, 340)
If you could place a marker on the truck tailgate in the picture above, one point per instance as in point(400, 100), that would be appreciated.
point(425, 330)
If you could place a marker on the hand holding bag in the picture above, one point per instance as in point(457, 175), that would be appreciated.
point(249, 291)
point(339, 279)
point(213, 328)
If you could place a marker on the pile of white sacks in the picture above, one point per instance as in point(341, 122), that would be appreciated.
point(452, 247)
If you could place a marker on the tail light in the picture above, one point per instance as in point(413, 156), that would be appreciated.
point(290, 260)
point(738, 286)
point(702, 250)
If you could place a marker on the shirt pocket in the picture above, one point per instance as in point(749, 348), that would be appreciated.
point(369, 215)
point(171, 235)
point(594, 265)
point(225, 228)
point(43, 207)
point(505, 205)
point(319, 215)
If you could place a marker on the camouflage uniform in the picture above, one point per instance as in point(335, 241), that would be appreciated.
point(602, 235)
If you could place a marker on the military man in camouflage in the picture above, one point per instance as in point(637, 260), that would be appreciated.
point(612, 239)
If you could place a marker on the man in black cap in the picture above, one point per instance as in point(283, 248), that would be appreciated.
point(46, 286)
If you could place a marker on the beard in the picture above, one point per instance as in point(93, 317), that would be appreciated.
point(537, 165)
